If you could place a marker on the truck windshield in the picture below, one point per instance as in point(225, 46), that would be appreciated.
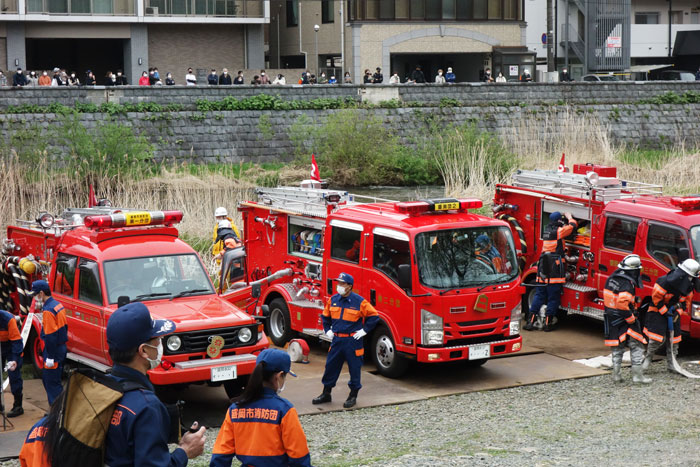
point(695, 238)
point(155, 277)
point(466, 257)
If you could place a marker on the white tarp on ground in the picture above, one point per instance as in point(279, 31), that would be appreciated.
point(603, 361)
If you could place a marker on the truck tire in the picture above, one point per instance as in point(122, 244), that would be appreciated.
point(279, 324)
point(235, 387)
point(388, 361)
point(35, 350)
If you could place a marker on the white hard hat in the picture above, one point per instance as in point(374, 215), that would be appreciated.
point(630, 263)
point(220, 211)
point(690, 267)
point(225, 224)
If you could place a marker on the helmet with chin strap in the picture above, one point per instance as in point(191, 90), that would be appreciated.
point(690, 267)
point(221, 211)
point(630, 263)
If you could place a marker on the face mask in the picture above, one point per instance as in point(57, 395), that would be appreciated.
point(226, 72)
point(159, 357)
point(45, 74)
point(282, 388)
point(440, 73)
point(341, 290)
point(262, 74)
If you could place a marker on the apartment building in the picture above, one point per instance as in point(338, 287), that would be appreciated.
point(397, 35)
point(133, 35)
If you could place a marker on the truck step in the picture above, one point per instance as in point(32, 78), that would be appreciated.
point(86, 361)
point(591, 312)
point(579, 287)
point(316, 333)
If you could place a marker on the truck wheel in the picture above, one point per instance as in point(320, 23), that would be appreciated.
point(279, 324)
point(36, 352)
point(528, 297)
point(388, 361)
point(235, 387)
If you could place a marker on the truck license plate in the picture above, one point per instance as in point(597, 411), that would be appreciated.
point(224, 373)
point(477, 352)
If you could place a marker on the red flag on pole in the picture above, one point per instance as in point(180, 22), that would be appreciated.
point(92, 201)
point(315, 174)
point(562, 164)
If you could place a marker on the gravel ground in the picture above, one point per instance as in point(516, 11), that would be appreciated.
point(585, 422)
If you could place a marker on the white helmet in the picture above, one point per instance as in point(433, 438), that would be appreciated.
point(630, 263)
point(221, 211)
point(224, 224)
point(690, 267)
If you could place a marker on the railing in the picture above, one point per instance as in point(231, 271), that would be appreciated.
point(82, 7)
point(229, 8)
point(8, 6)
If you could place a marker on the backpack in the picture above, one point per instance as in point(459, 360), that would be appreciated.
point(78, 422)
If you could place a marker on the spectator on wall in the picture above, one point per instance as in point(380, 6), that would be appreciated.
point(347, 79)
point(190, 78)
point(332, 80)
point(44, 79)
point(394, 79)
point(280, 80)
point(439, 79)
point(225, 78)
point(169, 81)
point(145, 79)
point(264, 79)
point(73, 79)
point(378, 77)
point(500, 78)
point(417, 76)
point(121, 79)
point(19, 79)
point(213, 78)
point(239, 78)
point(32, 79)
point(449, 76)
point(367, 78)
point(89, 78)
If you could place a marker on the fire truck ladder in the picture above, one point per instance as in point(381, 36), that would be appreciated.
point(309, 201)
point(586, 186)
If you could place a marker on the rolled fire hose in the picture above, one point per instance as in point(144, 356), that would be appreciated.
point(521, 234)
point(298, 351)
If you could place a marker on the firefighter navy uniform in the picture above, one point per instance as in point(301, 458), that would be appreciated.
point(265, 432)
point(11, 348)
point(551, 270)
point(32, 453)
point(138, 430)
point(620, 323)
point(54, 333)
point(345, 316)
point(671, 297)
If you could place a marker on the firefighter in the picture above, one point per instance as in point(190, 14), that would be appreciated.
point(347, 318)
point(260, 427)
point(670, 298)
point(226, 237)
point(11, 349)
point(551, 270)
point(487, 254)
point(54, 333)
point(221, 214)
point(621, 325)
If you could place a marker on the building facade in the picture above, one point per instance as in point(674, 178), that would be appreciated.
point(396, 35)
point(133, 35)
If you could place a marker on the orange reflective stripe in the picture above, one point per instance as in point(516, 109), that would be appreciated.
point(663, 310)
point(637, 336)
point(676, 339)
point(624, 300)
point(653, 336)
point(609, 299)
point(225, 440)
point(549, 246)
point(630, 319)
point(565, 231)
point(612, 342)
point(622, 337)
point(293, 435)
point(557, 280)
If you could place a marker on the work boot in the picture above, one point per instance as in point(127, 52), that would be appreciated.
point(671, 353)
point(638, 376)
point(352, 399)
point(530, 321)
point(617, 354)
point(17, 409)
point(550, 323)
point(649, 356)
point(324, 397)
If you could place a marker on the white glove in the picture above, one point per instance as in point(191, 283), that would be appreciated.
point(11, 366)
point(359, 334)
point(48, 363)
point(329, 334)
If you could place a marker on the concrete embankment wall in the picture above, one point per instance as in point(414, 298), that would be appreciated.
point(264, 135)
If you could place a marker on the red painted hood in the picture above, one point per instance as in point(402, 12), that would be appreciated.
point(199, 312)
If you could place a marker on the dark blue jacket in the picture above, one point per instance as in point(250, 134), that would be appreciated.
point(138, 432)
point(346, 315)
point(10, 337)
point(19, 79)
point(54, 330)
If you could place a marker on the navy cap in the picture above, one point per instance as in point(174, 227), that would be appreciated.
point(555, 216)
point(132, 325)
point(345, 277)
point(276, 360)
point(40, 286)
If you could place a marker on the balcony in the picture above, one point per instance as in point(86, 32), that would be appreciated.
point(81, 7)
point(221, 8)
point(435, 10)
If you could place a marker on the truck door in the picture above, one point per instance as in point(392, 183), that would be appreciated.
point(348, 248)
point(666, 246)
point(619, 237)
point(87, 330)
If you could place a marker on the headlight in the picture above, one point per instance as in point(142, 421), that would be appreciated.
point(173, 343)
point(515, 316)
point(244, 335)
point(696, 311)
point(45, 220)
point(431, 328)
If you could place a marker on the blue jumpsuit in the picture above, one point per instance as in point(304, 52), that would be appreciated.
point(54, 333)
point(345, 316)
point(11, 342)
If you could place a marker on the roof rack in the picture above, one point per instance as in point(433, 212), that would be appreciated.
point(583, 186)
point(310, 201)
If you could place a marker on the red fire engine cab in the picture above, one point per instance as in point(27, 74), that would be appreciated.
point(615, 218)
point(444, 281)
point(97, 258)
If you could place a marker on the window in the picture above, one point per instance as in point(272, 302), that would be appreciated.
point(495, 9)
point(417, 9)
point(327, 11)
point(676, 17)
point(665, 243)
point(620, 233)
point(448, 9)
point(292, 13)
point(480, 9)
point(345, 244)
point(89, 283)
point(65, 274)
point(389, 252)
point(646, 18)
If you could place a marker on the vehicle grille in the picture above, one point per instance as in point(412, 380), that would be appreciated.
point(477, 323)
point(477, 331)
point(475, 340)
point(198, 341)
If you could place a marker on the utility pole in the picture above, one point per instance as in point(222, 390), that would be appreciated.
point(670, 21)
point(550, 36)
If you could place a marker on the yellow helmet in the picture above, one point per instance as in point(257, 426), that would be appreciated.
point(27, 265)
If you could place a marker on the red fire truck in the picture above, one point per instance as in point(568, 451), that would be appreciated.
point(97, 258)
point(438, 296)
point(615, 218)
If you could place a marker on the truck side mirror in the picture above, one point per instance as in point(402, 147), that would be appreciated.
point(683, 254)
point(123, 300)
point(255, 290)
point(405, 276)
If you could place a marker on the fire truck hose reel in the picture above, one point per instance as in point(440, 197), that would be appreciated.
point(519, 230)
point(21, 283)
